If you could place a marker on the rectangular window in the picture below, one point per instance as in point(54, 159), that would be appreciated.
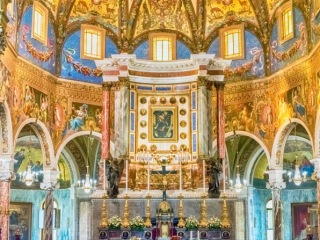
point(232, 42)
point(40, 23)
point(162, 47)
point(92, 42)
point(285, 22)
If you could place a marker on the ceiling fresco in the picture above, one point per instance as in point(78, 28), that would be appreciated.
point(163, 14)
point(105, 12)
point(221, 11)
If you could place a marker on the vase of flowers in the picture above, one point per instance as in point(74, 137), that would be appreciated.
point(137, 223)
point(114, 222)
point(214, 223)
point(192, 223)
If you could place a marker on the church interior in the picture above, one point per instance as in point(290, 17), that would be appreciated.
point(159, 119)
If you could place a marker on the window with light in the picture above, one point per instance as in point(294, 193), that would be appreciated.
point(287, 28)
point(162, 46)
point(93, 41)
point(40, 23)
point(232, 42)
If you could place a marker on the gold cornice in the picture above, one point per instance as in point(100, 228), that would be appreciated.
point(202, 81)
point(124, 81)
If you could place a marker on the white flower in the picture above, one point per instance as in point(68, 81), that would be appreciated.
point(114, 222)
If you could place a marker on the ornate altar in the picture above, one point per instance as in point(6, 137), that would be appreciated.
point(164, 220)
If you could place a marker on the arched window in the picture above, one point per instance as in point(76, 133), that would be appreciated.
point(42, 217)
point(269, 207)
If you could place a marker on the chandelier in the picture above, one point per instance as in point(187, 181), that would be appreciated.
point(88, 184)
point(238, 186)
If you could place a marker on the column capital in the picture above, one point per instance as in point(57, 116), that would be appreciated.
point(276, 179)
point(316, 163)
point(50, 179)
point(219, 85)
point(202, 81)
point(6, 169)
point(124, 81)
point(106, 86)
point(216, 67)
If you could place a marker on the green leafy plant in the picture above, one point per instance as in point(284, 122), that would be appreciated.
point(192, 223)
point(114, 222)
point(214, 223)
point(137, 223)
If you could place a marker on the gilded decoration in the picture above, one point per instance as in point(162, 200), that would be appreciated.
point(183, 135)
point(163, 124)
point(182, 100)
point(163, 100)
point(143, 100)
point(173, 100)
point(143, 135)
point(183, 147)
point(183, 112)
point(153, 100)
point(143, 124)
point(163, 14)
point(183, 124)
point(143, 112)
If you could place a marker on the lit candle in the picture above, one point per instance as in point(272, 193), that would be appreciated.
point(198, 235)
point(204, 176)
point(180, 158)
point(127, 176)
point(191, 235)
point(148, 173)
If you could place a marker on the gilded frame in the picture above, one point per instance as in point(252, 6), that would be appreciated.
point(174, 122)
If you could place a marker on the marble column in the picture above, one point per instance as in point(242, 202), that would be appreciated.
point(6, 176)
point(275, 184)
point(124, 120)
point(105, 138)
point(316, 176)
point(203, 135)
point(209, 107)
point(220, 120)
point(49, 184)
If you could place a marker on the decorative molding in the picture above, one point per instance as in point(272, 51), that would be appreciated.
point(49, 186)
point(7, 176)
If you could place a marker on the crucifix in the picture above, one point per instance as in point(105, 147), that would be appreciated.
point(163, 177)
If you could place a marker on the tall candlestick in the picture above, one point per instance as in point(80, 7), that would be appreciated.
point(180, 172)
point(104, 176)
point(204, 176)
point(224, 175)
point(127, 176)
point(148, 175)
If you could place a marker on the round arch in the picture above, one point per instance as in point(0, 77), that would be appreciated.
point(247, 134)
point(316, 151)
point(280, 140)
point(44, 137)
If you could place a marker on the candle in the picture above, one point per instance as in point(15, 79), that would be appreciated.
point(224, 175)
point(198, 235)
point(127, 176)
point(180, 172)
point(204, 176)
point(191, 235)
point(148, 174)
point(104, 175)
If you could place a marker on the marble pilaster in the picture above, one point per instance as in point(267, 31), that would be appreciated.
point(202, 117)
point(275, 184)
point(49, 184)
point(117, 122)
point(124, 108)
point(209, 107)
point(220, 120)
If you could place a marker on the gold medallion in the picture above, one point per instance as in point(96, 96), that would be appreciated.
point(183, 123)
point(183, 112)
point(143, 147)
point(182, 100)
point(153, 100)
point(143, 111)
point(143, 100)
point(173, 100)
point(173, 147)
point(163, 100)
point(143, 123)
point(143, 135)
point(183, 135)
point(183, 147)
point(153, 148)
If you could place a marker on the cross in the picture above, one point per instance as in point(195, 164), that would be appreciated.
point(164, 173)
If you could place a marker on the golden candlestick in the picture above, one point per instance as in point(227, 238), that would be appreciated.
point(181, 223)
point(104, 221)
point(224, 218)
point(148, 223)
point(203, 221)
point(125, 221)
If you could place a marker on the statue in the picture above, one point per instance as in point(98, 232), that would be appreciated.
point(213, 171)
point(114, 171)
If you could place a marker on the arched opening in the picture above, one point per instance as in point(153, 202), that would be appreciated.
point(56, 220)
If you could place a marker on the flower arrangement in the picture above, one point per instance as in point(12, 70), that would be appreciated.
point(192, 223)
point(137, 223)
point(214, 223)
point(114, 222)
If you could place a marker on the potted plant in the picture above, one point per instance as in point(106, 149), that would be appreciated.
point(214, 223)
point(114, 222)
point(192, 223)
point(137, 223)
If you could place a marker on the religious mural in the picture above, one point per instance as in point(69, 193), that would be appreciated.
point(74, 67)
point(291, 50)
point(105, 12)
point(20, 219)
point(12, 24)
point(64, 178)
point(219, 12)
point(163, 14)
point(31, 49)
point(249, 68)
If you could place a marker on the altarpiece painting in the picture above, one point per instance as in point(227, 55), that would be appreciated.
point(20, 219)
